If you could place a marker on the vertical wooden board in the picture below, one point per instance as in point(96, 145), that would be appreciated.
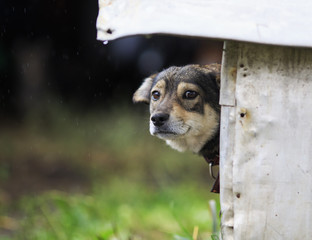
point(227, 131)
point(228, 73)
point(226, 171)
point(272, 166)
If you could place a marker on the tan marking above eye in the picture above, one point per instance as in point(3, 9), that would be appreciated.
point(158, 88)
point(183, 87)
point(161, 84)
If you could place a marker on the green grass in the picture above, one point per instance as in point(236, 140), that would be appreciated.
point(136, 186)
point(119, 210)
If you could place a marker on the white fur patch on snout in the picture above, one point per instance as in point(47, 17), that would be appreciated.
point(201, 128)
point(171, 129)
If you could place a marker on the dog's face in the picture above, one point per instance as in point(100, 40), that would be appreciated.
point(183, 105)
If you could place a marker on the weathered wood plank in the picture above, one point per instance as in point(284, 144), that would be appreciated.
point(272, 167)
point(228, 73)
point(227, 136)
point(268, 21)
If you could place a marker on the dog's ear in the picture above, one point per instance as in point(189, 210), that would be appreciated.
point(214, 68)
point(143, 92)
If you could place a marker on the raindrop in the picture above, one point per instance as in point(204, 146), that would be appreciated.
point(105, 42)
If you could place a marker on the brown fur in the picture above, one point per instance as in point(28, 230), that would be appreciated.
point(184, 123)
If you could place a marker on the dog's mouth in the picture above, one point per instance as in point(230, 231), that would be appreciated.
point(167, 134)
point(161, 132)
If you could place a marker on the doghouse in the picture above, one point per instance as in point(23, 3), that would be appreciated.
point(266, 99)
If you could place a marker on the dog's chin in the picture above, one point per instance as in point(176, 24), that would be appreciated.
point(166, 134)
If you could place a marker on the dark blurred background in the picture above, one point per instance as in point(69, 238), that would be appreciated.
point(66, 116)
point(49, 48)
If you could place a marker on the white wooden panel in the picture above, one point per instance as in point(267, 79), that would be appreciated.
point(227, 136)
point(228, 74)
point(272, 160)
point(278, 22)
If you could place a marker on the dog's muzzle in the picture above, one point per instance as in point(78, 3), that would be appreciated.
point(165, 127)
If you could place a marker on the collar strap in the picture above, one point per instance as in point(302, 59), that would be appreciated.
point(213, 162)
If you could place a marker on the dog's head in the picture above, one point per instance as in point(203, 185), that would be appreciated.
point(183, 105)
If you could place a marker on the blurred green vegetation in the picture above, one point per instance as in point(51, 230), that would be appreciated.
point(98, 175)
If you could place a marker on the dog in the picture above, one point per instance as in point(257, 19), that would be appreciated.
point(184, 109)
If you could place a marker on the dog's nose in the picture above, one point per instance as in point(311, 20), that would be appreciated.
point(159, 119)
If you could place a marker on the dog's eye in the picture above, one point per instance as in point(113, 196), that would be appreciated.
point(190, 94)
point(155, 95)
